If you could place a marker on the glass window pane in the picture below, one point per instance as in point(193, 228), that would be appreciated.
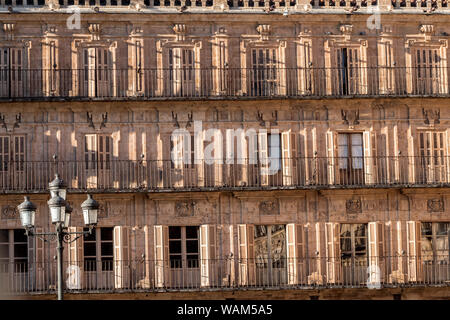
point(356, 139)
point(90, 249)
point(107, 264)
point(106, 234)
point(192, 246)
point(175, 247)
point(90, 264)
point(174, 232)
point(20, 236)
point(442, 228)
point(107, 249)
point(20, 250)
point(191, 232)
point(4, 251)
point(4, 235)
point(89, 237)
point(426, 229)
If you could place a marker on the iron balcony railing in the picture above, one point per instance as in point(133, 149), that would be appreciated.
point(292, 173)
point(227, 273)
point(215, 83)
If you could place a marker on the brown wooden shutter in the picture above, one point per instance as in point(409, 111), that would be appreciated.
point(161, 245)
point(40, 261)
point(330, 157)
point(286, 158)
point(413, 251)
point(75, 269)
point(208, 262)
point(333, 252)
point(247, 268)
point(397, 255)
point(121, 257)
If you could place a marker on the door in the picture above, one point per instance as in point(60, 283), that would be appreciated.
point(348, 71)
point(98, 162)
point(181, 72)
point(350, 158)
point(264, 72)
point(12, 163)
point(270, 255)
point(435, 252)
point(96, 72)
point(353, 243)
point(427, 73)
point(432, 157)
point(12, 72)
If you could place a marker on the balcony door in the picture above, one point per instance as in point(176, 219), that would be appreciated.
point(435, 251)
point(433, 164)
point(11, 72)
point(427, 72)
point(264, 69)
point(181, 75)
point(12, 162)
point(97, 72)
point(98, 161)
point(350, 158)
point(270, 255)
point(353, 248)
point(348, 71)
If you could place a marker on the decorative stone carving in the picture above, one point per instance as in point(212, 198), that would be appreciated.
point(264, 31)
point(185, 208)
point(94, 29)
point(353, 206)
point(10, 212)
point(6, 122)
point(260, 118)
point(269, 207)
point(346, 29)
point(180, 31)
point(95, 121)
point(426, 28)
point(435, 205)
point(350, 117)
point(431, 116)
point(8, 28)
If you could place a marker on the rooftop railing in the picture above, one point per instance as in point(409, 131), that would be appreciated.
point(216, 83)
point(110, 275)
point(164, 175)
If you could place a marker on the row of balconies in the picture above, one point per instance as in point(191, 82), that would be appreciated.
point(223, 83)
point(228, 273)
point(293, 173)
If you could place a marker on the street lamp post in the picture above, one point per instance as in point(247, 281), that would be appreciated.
point(60, 213)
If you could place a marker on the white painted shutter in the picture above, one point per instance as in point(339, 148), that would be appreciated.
point(413, 251)
point(333, 251)
point(247, 268)
point(208, 262)
point(397, 274)
point(368, 168)
point(17, 72)
point(161, 255)
point(121, 257)
point(218, 158)
point(90, 57)
point(263, 157)
point(103, 71)
point(330, 157)
point(376, 250)
point(4, 72)
point(286, 158)
point(295, 241)
point(75, 269)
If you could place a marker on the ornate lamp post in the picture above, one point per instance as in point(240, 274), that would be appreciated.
point(60, 213)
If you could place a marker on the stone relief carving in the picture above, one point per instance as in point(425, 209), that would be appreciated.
point(435, 205)
point(185, 208)
point(269, 207)
point(8, 122)
point(10, 212)
point(431, 116)
point(95, 121)
point(350, 117)
point(264, 31)
point(353, 206)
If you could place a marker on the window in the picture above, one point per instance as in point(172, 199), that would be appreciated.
point(432, 156)
point(98, 250)
point(97, 72)
point(184, 247)
point(12, 153)
point(13, 251)
point(348, 70)
point(11, 72)
point(350, 157)
point(353, 243)
point(183, 152)
point(427, 71)
point(181, 71)
point(264, 69)
point(435, 240)
point(98, 152)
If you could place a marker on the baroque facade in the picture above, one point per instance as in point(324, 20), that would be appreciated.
point(312, 149)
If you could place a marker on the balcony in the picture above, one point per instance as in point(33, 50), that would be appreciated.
point(226, 274)
point(163, 175)
point(225, 83)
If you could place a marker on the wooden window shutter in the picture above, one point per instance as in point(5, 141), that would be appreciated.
point(31, 246)
point(208, 262)
point(330, 157)
point(4, 153)
point(263, 157)
point(333, 252)
point(413, 251)
point(294, 158)
point(368, 169)
point(376, 250)
point(286, 157)
point(121, 257)
point(295, 241)
point(39, 261)
point(247, 268)
point(75, 260)
point(161, 242)
point(90, 68)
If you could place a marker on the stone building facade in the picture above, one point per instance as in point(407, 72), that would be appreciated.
point(353, 119)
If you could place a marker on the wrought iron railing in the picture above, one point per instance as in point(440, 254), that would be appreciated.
point(222, 83)
point(283, 273)
point(292, 173)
